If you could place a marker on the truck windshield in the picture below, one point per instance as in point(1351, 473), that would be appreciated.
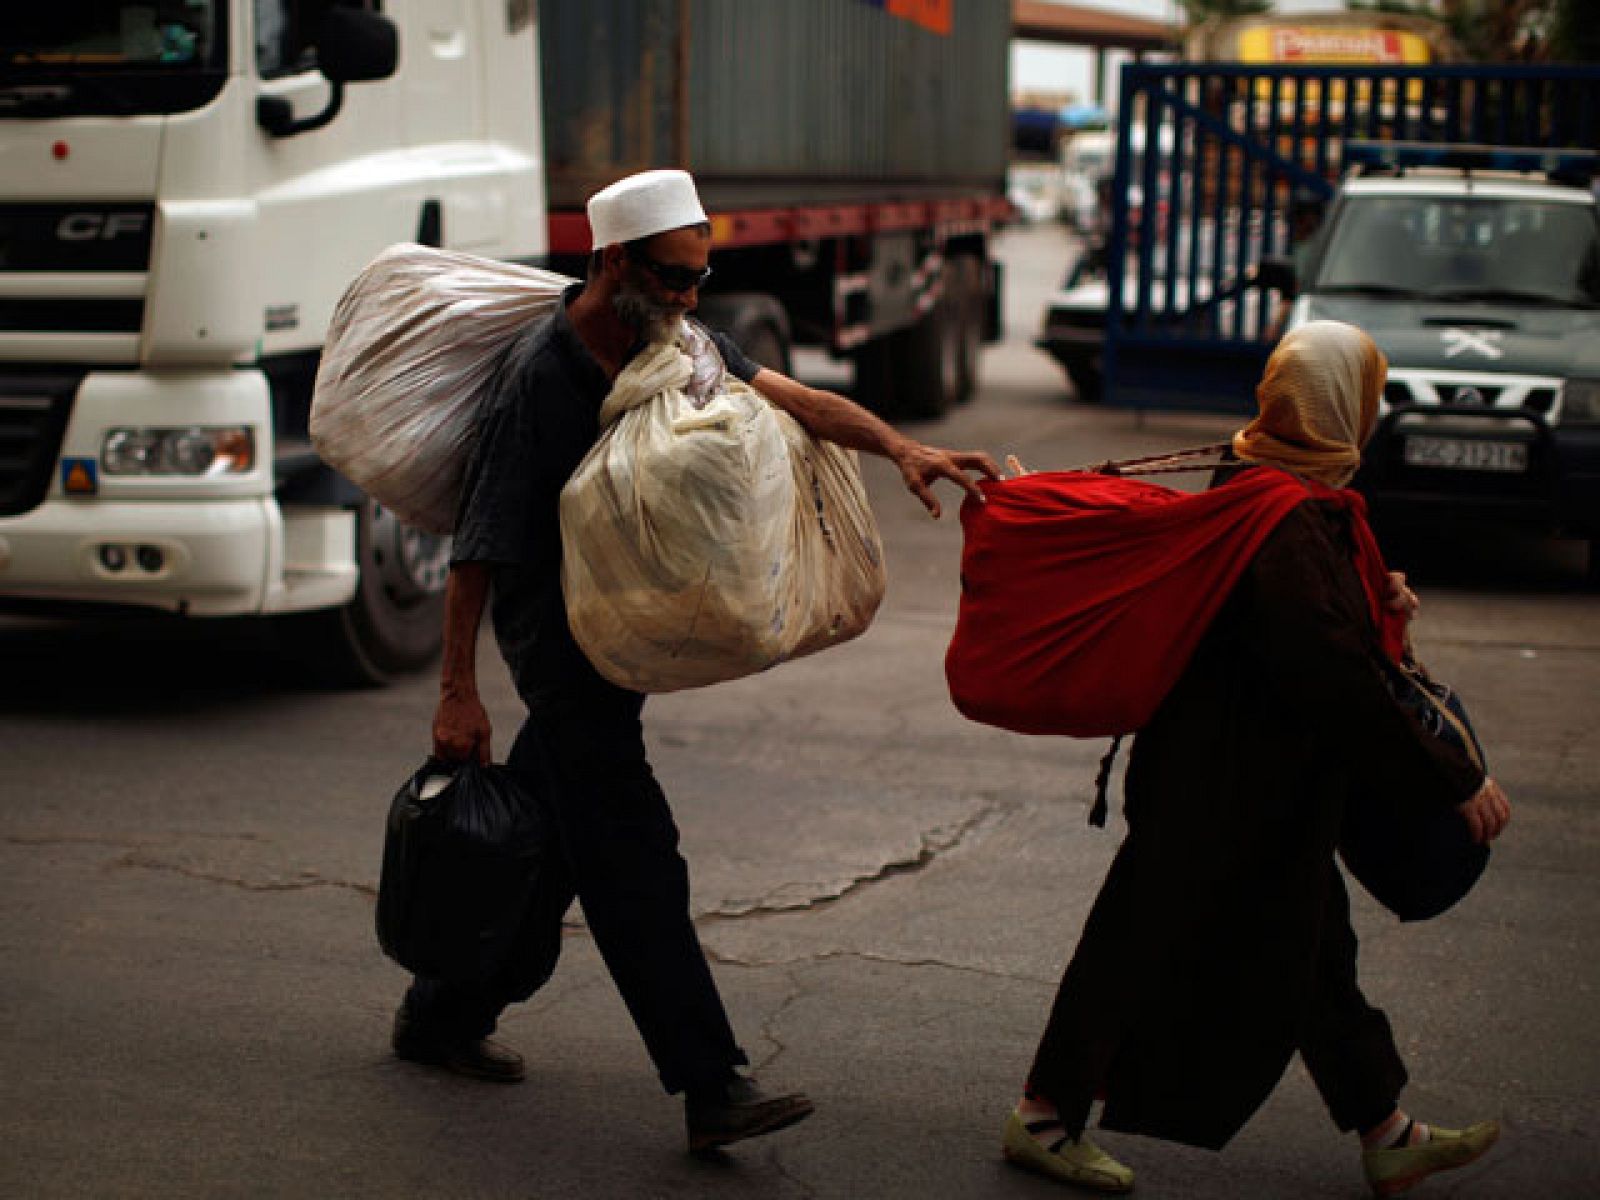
point(101, 56)
point(1464, 248)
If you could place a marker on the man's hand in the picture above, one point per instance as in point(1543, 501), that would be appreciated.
point(921, 465)
point(461, 729)
point(1397, 597)
point(1487, 813)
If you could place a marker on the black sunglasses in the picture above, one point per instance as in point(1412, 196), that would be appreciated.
point(671, 276)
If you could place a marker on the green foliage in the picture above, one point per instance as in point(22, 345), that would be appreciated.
point(1488, 30)
point(1201, 10)
point(1399, 8)
point(1572, 37)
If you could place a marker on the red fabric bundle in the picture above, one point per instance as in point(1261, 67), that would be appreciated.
point(1084, 595)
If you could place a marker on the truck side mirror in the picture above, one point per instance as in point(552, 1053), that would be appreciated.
point(357, 46)
point(353, 46)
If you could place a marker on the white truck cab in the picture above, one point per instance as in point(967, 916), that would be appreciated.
point(186, 187)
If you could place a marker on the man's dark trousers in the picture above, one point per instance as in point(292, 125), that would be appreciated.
point(620, 859)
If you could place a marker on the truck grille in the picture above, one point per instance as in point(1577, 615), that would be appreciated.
point(33, 419)
point(78, 270)
point(76, 237)
point(1466, 393)
point(85, 315)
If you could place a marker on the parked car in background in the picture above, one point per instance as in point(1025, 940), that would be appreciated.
point(1074, 326)
point(1478, 274)
point(1087, 159)
point(1034, 190)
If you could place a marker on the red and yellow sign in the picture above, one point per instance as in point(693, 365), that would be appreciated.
point(1290, 45)
point(934, 15)
point(1335, 46)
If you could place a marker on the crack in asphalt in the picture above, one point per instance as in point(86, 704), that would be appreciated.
point(305, 881)
point(935, 843)
point(796, 990)
point(130, 841)
point(139, 856)
point(785, 1172)
point(733, 960)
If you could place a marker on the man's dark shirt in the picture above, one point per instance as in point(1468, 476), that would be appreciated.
point(540, 417)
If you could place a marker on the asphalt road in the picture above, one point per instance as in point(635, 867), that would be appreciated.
point(192, 1002)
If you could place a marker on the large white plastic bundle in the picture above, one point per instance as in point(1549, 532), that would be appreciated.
point(413, 340)
point(707, 536)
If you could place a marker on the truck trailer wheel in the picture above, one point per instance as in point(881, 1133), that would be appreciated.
point(395, 622)
point(929, 355)
point(911, 372)
point(767, 348)
point(754, 320)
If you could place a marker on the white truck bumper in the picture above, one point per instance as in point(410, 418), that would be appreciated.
point(206, 559)
point(213, 547)
point(213, 559)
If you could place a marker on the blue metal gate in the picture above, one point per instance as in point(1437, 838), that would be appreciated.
point(1209, 159)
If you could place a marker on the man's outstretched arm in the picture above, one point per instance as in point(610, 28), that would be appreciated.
point(830, 416)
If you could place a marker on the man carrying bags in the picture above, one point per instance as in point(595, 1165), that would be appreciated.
point(582, 747)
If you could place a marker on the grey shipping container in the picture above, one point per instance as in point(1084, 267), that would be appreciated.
point(781, 101)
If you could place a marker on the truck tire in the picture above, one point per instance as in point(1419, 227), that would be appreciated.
point(395, 622)
point(754, 320)
point(911, 373)
point(930, 362)
point(767, 348)
point(873, 366)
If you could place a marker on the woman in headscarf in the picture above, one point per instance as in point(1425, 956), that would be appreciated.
point(1221, 943)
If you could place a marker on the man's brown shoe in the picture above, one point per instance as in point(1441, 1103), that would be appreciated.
point(480, 1059)
point(739, 1109)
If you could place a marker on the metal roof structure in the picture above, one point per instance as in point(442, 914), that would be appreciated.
point(1086, 25)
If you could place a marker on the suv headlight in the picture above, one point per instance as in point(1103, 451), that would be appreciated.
point(195, 450)
point(1580, 402)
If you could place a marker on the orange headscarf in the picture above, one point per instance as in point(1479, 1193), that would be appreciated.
point(1319, 400)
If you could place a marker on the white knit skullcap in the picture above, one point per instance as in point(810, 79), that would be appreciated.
point(642, 205)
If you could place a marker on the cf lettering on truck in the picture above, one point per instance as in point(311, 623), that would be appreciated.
point(187, 186)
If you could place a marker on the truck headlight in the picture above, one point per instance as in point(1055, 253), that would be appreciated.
point(1580, 402)
point(196, 450)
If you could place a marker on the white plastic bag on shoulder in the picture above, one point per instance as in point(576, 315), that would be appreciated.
point(707, 536)
point(413, 341)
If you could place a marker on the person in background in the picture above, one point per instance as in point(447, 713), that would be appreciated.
point(1220, 943)
point(582, 748)
point(1306, 212)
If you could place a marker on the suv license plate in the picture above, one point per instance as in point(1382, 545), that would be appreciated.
point(1463, 454)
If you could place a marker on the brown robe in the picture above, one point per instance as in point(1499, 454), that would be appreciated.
point(1220, 942)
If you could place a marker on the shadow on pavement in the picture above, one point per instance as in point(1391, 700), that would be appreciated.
point(1485, 557)
point(142, 664)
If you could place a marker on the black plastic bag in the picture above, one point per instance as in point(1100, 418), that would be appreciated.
point(460, 862)
point(1412, 854)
